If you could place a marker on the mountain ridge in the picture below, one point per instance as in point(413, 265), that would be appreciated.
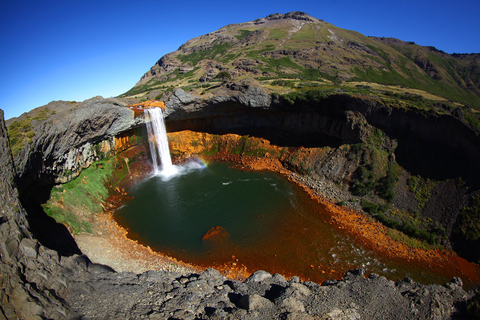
point(300, 47)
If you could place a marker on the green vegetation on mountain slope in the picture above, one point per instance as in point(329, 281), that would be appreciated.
point(301, 48)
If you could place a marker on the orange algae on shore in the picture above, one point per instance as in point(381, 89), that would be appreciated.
point(148, 104)
point(374, 235)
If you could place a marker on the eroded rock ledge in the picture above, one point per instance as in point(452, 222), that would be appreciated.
point(37, 282)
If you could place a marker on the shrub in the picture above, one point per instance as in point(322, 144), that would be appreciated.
point(468, 221)
point(370, 207)
point(394, 224)
point(386, 184)
point(364, 182)
point(421, 189)
point(223, 75)
point(20, 131)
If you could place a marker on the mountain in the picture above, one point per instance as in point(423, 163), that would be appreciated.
point(311, 52)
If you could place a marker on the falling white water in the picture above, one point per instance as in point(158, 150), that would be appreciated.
point(157, 139)
point(158, 142)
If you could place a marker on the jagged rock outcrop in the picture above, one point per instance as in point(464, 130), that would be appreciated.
point(71, 139)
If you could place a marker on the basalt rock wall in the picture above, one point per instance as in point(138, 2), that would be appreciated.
point(66, 139)
point(71, 138)
point(429, 144)
point(432, 145)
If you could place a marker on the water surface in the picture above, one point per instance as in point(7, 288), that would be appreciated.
point(266, 223)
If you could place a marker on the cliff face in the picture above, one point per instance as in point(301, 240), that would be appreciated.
point(244, 108)
point(70, 137)
point(434, 145)
point(437, 146)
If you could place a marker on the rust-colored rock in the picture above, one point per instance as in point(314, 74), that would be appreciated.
point(216, 232)
point(148, 104)
point(139, 107)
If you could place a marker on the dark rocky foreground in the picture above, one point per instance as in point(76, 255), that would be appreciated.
point(38, 282)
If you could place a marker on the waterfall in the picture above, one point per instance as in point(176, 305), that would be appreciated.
point(157, 139)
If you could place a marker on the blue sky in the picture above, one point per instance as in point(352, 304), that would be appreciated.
point(78, 49)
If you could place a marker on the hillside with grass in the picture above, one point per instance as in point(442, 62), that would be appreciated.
point(295, 52)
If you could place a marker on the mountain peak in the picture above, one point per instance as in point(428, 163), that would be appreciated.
point(295, 15)
point(299, 47)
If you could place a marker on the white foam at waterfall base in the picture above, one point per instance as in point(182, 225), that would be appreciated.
point(179, 170)
point(159, 151)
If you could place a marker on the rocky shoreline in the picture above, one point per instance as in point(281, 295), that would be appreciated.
point(110, 246)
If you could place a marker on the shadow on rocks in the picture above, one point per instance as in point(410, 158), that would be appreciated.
point(45, 229)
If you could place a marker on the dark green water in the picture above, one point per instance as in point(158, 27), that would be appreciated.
point(271, 225)
point(175, 214)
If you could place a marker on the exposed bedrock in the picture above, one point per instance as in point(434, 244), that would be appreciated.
point(73, 136)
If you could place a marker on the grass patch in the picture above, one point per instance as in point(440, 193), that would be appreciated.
point(372, 208)
point(243, 34)
point(417, 81)
point(195, 57)
point(84, 196)
point(285, 62)
point(468, 221)
point(385, 185)
point(432, 236)
point(409, 241)
point(421, 188)
point(278, 34)
point(213, 150)
point(20, 131)
point(375, 171)
point(142, 88)
point(307, 97)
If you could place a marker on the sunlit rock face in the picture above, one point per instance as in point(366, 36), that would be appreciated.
point(437, 146)
point(71, 137)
